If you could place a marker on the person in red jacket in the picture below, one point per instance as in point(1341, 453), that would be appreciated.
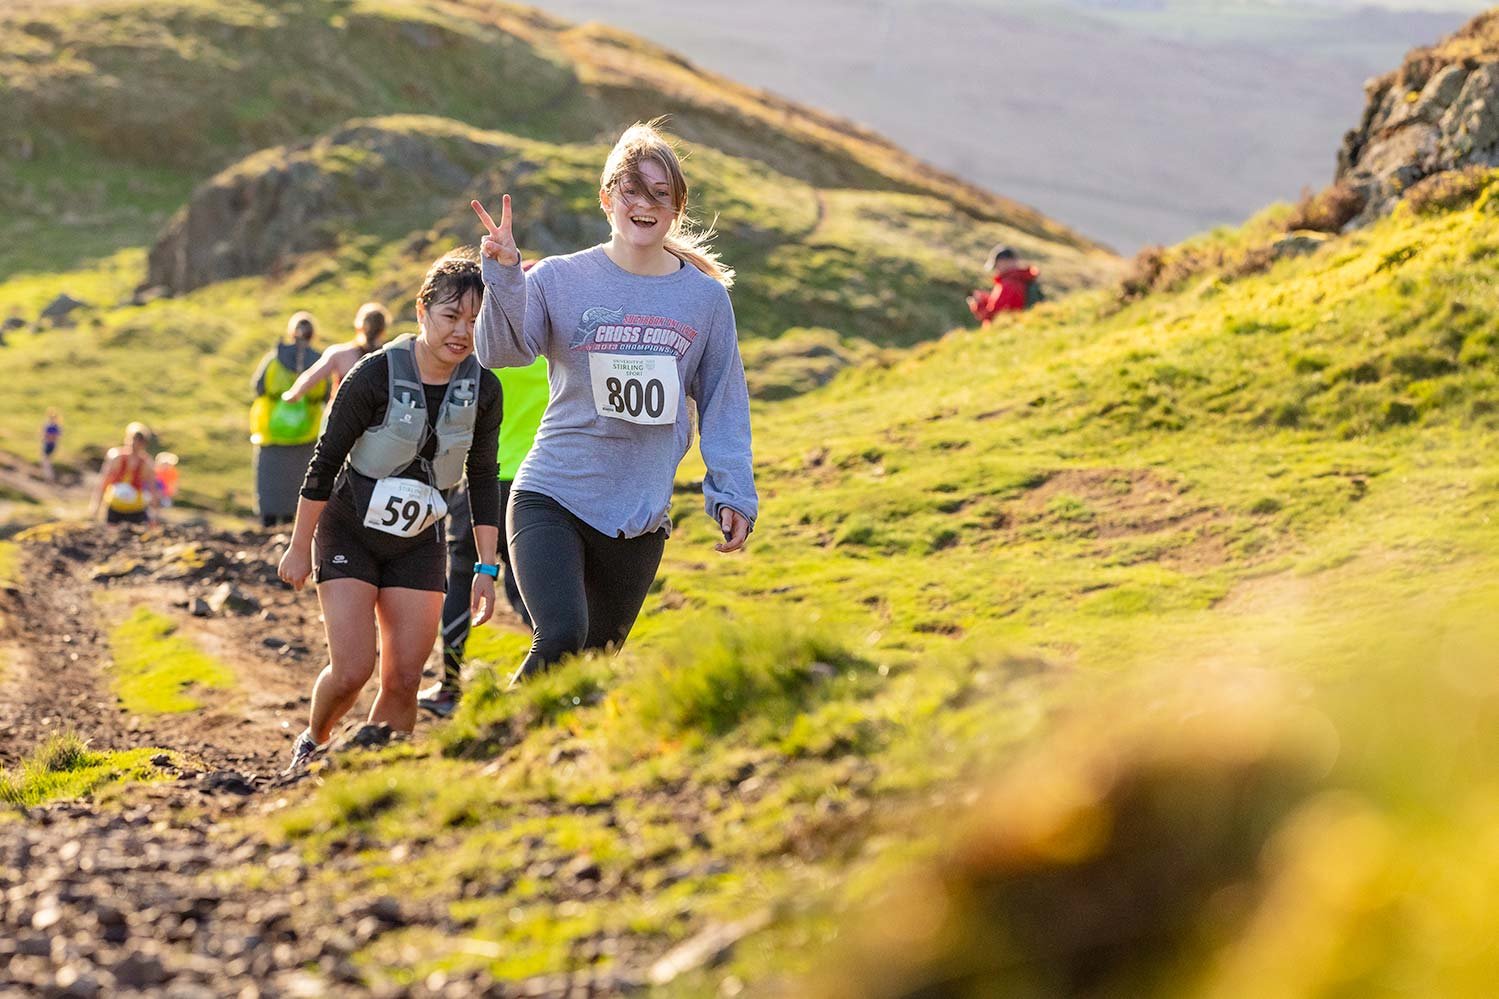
point(1016, 286)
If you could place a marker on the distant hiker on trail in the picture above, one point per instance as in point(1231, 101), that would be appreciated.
point(524, 395)
point(51, 436)
point(1016, 286)
point(410, 420)
point(283, 431)
point(126, 492)
point(166, 477)
point(632, 329)
point(370, 324)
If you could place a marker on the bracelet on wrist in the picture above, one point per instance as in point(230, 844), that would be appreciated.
point(485, 569)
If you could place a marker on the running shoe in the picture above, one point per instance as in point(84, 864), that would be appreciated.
point(440, 700)
point(302, 750)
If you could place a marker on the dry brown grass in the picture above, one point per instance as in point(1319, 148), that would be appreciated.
point(1158, 268)
point(1144, 274)
point(1448, 190)
point(1327, 210)
point(1473, 43)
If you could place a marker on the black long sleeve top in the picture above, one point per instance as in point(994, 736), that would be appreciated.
point(360, 404)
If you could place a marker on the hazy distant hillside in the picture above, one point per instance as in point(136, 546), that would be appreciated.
point(1469, 6)
point(1133, 121)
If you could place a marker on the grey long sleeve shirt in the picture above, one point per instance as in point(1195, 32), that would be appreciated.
point(625, 353)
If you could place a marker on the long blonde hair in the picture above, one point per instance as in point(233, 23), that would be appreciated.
point(643, 141)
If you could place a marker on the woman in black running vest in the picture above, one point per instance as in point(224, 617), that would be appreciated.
point(407, 422)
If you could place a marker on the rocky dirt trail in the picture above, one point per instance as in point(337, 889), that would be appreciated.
point(119, 897)
point(114, 899)
point(143, 890)
point(76, 582)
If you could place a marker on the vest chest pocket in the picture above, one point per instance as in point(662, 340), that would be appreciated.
point(455, 432)
point(408, 417)
point(391, 446)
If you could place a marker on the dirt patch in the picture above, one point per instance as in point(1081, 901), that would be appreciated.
point(25, 496)
point(1125, 505)
point(76, 582)
point(117, 895)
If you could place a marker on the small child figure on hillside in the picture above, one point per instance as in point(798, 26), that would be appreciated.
point(166, 476)
point(1016, 286)
point(51, 435)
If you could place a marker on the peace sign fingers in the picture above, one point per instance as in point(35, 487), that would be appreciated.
point(499, 244)
point(484, 216)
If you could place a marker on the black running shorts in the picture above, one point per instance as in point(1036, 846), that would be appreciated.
point(346, 549)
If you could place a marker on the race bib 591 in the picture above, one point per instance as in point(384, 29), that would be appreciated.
point(404, 507)
point(637, 388)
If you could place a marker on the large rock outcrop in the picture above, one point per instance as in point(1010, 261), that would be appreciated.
point(388, 176)
point(1439, 111)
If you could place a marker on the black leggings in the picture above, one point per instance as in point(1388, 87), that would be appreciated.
point(583, 588)
point(462, 554)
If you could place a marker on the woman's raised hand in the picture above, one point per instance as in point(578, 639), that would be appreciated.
point(499, 244)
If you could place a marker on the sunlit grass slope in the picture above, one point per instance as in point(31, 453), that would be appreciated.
point(1270, 490)
point(1226, 828)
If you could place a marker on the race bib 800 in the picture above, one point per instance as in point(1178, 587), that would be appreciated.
point(404, 507)
point(637, 388)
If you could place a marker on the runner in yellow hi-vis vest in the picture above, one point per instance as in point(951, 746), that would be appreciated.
point(282, 431)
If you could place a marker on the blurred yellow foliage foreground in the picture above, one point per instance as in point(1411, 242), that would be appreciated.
point(1232, 835)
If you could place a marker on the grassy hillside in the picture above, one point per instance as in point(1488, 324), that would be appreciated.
point(119, 115)
point(115, 109)
point(1265, 497)
point(1217, 560)
point(385, 197)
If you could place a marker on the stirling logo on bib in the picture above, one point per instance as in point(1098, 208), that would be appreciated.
point(632, 364)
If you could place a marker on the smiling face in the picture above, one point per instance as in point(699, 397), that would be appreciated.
point(447, 306)
point(640, 204)
point(448, 327)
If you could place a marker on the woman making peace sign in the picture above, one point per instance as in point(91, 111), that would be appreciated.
point(631, 329)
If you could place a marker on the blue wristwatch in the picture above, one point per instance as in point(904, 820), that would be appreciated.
point(492, 571)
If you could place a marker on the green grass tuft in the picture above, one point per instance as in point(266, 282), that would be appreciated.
point(155, 670)
point(491, 718)
point(713, 675)
point(64, 767)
